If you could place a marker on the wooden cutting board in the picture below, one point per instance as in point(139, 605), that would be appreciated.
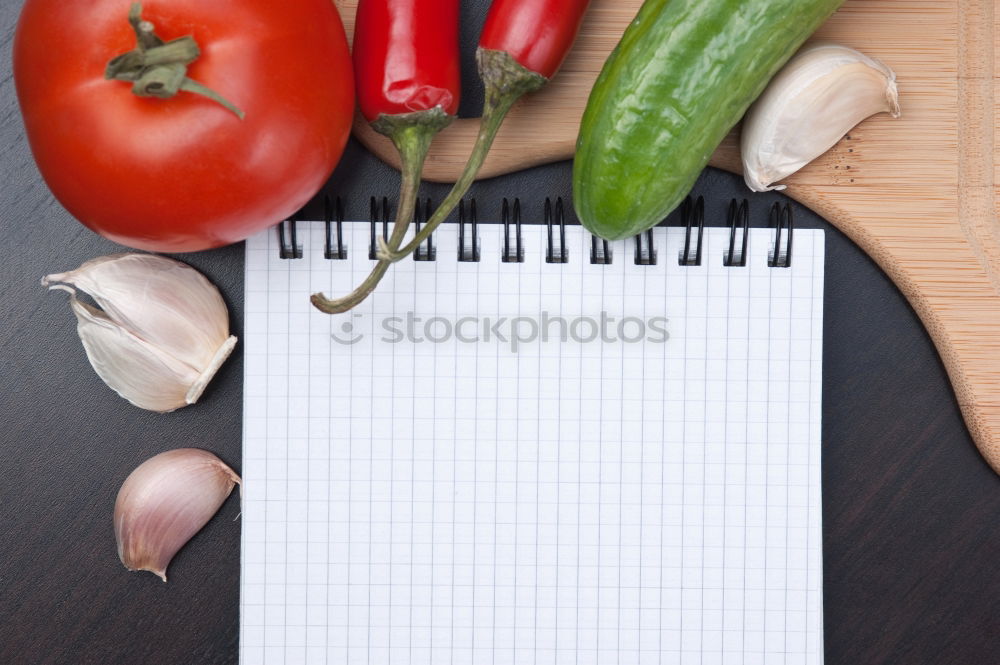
point(919, 194)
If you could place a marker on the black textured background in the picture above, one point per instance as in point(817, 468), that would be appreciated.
point(910, 509)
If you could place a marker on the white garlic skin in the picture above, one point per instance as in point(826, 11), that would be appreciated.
point(162, 330)
point(819, 95)
point(164, 502)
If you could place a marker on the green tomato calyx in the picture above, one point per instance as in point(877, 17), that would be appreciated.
point(159, 69)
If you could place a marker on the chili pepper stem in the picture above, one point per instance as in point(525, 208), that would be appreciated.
point(412, 134)
point(506, 81)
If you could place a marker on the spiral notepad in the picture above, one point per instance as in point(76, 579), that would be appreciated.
point(530, 446)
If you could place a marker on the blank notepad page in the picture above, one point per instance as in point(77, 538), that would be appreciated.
point(530, 462)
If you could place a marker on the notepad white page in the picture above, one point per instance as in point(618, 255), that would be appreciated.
point(430, 491)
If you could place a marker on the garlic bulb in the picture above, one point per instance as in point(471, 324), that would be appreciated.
point(162, 330)
point(823, 91)
point(164, 502)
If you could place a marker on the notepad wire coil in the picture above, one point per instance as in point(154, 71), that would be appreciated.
point(645, 252)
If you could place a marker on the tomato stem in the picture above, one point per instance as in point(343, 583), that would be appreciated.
point(159, 69)
point(412, 134)
point(506, 81)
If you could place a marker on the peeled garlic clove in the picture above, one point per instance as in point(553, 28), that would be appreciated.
point(823, 91)
point(164, 502)
point(162, 330)
point(135, 369)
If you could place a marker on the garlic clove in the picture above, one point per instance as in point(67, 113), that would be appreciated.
point(135, 369)
point(165, 302)
point(164, 502)
point(820, 94)
point(162, 330)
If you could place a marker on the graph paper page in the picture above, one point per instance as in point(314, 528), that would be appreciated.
point(532, 462)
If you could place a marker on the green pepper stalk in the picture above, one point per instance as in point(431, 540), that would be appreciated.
point(412, 134)
point(506, 81)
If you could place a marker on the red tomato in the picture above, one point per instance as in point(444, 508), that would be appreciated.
point(185, 174)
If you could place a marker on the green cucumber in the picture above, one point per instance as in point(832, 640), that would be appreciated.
point(682, 76)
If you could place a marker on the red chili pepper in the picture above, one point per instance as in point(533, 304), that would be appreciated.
point(406, 64)
point(522, 45)
point(406, 56)
point(536, 34)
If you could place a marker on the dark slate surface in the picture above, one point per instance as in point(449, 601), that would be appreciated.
point(910, 509)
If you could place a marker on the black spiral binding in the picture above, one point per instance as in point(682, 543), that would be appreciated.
point(781, 218)
point(738, 218)
point(507, 213)
point(468, 254)
point(333, 218)
point(693, 215)
point(426, 251)
point(600, 251)
point(645, 253)
point(557, 249)
point(374, 219)
point(552, 218)
point(288, 241)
